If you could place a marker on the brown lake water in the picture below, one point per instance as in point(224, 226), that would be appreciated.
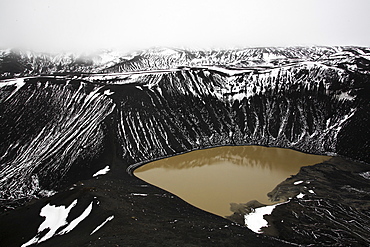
point(213, 178)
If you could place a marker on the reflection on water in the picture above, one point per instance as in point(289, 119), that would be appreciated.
point(213, 178)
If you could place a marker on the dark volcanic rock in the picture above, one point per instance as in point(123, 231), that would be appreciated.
point(333, 209)
point(56, 131)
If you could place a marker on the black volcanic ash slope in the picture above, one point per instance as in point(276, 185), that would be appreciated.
point(56, 131)
point(45, 128)
point(197, 108)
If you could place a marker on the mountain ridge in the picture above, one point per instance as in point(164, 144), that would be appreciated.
point(15, 63)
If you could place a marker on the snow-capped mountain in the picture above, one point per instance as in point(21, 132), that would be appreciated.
point(15, 63)
point(18, 63)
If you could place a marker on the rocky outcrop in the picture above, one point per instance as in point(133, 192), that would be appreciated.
point(329, 205)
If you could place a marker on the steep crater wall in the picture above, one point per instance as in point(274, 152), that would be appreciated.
point(56, 130)
point(49, 125)
point(175, 112)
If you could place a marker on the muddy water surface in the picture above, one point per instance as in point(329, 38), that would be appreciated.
point(213, 178)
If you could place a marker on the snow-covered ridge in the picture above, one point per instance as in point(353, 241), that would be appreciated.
point(15, 63)
point(240, 58)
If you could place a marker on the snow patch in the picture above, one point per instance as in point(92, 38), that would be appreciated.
point(239, 96)
point(19, 82)
point(298, 182)
point(103, 171)
point(300, 195)
point(270, 56)
point(227, 71)
point(255, 220)
point(108, 92)
point(55, 217)
point(159, 90)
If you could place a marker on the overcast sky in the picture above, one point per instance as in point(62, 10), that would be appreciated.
point(53, 25)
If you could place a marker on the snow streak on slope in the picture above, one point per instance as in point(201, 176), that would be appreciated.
point(102, 224)
point(60, 123)
point(289, 107)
